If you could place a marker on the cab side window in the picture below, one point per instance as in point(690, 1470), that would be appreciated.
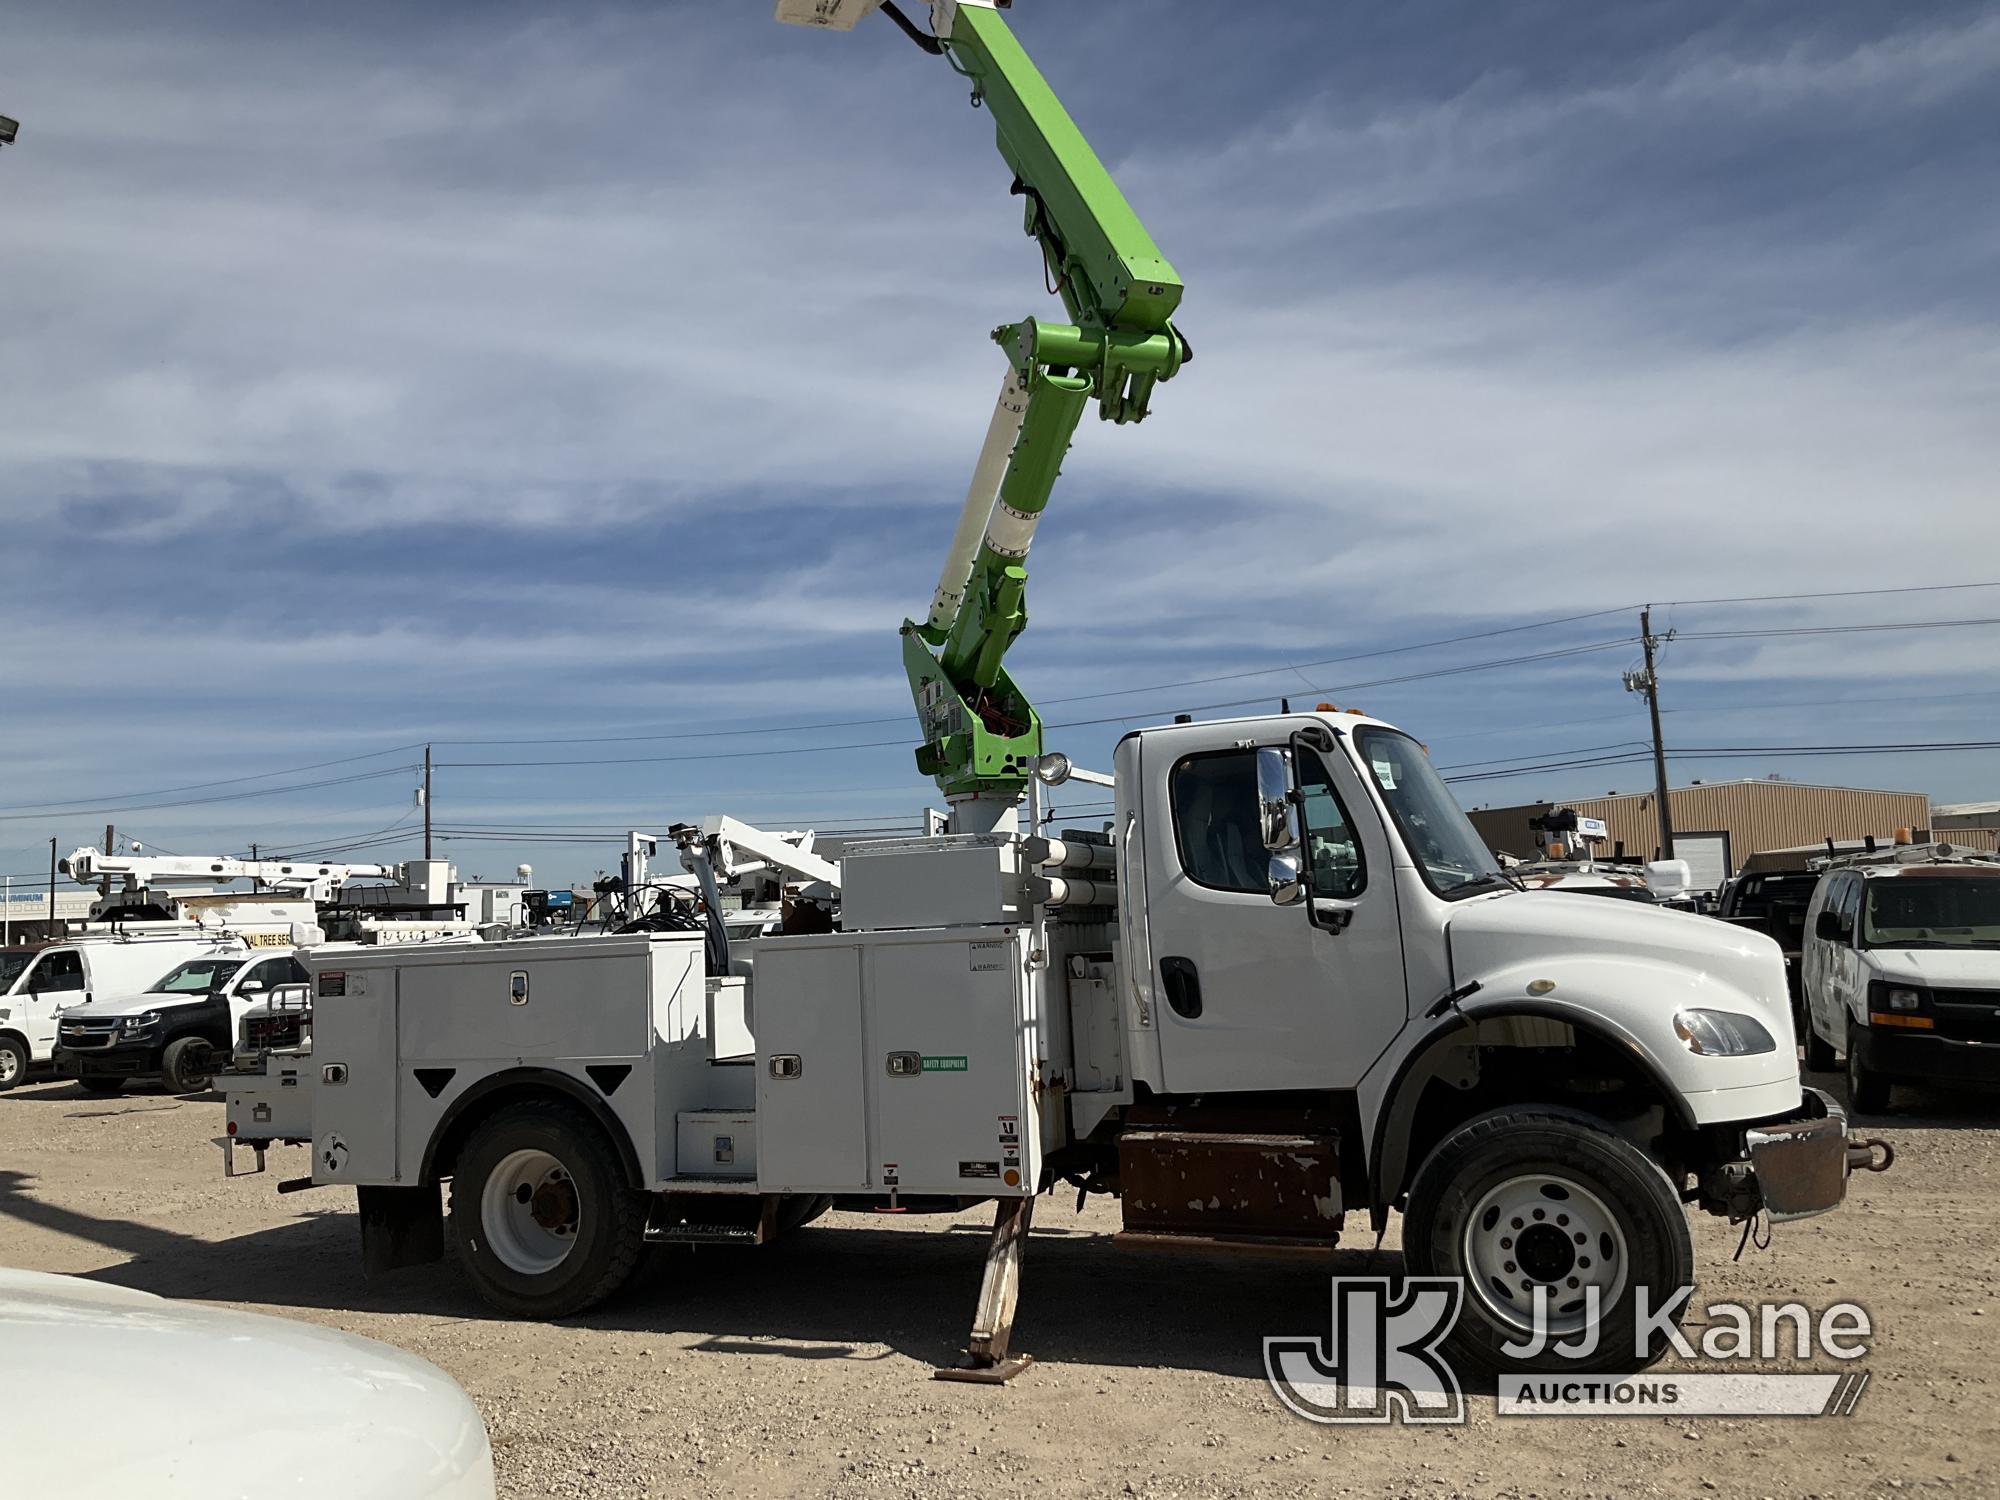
point(1214, 802)
point(1850, 905)
point(59, 973)
point(1337, 867)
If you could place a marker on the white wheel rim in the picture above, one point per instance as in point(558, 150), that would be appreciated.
point(1544, 1236)
point(528, 1208)
point(10, 1064)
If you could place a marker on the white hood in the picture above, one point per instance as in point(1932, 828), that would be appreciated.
point(111, 1394)
point(1494, 932)
point(1939, 968)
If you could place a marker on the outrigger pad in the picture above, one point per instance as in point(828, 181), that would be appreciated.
point(972, 1372)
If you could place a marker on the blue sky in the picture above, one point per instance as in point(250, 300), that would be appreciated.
point(379, 375)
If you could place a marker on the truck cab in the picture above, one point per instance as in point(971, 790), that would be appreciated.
point(179, 1029)
point(91, 967)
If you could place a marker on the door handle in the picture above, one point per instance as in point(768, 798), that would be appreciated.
point(1183, 986)
point(1330, 914)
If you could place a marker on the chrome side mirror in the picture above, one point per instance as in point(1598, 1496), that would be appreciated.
point(1277, 817)
point(1285, 880)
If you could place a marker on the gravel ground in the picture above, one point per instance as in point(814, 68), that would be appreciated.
point(803, 1369)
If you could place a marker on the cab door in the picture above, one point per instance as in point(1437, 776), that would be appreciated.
point(1252, 995)
point(1850, 975)
point(55, 983)
point(1816, 961)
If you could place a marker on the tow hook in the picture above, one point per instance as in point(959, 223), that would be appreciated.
point(1861, 1155)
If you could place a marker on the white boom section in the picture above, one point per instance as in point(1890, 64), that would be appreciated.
point(736, 849)
point(982, 498)
point(155, 871)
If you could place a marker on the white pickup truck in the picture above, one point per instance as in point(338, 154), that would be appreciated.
point(1291, 985)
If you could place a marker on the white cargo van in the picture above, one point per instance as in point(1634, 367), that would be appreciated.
point(1900, 970)
point(97, 966)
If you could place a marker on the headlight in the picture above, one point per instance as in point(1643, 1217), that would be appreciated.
point(1721, 1033)
point(1901, 999)
point(145, 1021)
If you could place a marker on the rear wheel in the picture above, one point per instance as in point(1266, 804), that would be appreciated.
point(186, 1065)
point(1551, 1207)
point(1867, 1090)
point(14, 1059)
point(541, 1214)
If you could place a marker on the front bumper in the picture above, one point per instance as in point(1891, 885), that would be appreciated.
point(1800, 1167)
point(1924, 1055)
point(106, 1062)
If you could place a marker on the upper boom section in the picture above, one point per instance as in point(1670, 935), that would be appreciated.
point(982, 737)
point(1108, 271)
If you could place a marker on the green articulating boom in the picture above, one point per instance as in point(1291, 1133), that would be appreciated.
point(982, 735)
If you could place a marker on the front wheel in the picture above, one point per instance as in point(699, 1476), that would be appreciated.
point(14, 1059)
point(186, 1065)
point(1867, 1090)
point(1551, 1207)
point(541, 1214)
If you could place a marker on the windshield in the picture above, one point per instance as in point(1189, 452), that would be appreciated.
point(1933, 911)
point(198, 976)
point(1454, 859)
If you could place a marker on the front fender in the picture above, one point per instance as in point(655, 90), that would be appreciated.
point(1629, 1004)
point(1633, 1001)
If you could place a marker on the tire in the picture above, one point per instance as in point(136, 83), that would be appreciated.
point(1571, 1178)
point(101, 1085)
point(1867, 1090)
point(578, 1234)
point(797, 1212)
point(1820, 1056)
point(14, 1061)
point(187, 1065)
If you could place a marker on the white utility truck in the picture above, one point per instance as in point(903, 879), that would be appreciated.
point(1292, 986)
point(1288, 985)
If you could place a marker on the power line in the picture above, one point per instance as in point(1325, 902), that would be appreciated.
point(198, 786)
point(1736, 752)
point(1918, 588)
point(271, 791)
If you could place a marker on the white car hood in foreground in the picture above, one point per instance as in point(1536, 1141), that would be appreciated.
point(111, 1394)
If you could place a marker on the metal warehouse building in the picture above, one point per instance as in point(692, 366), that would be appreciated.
point(1719, 825)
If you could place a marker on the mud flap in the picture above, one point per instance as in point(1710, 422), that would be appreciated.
point(400, 1227)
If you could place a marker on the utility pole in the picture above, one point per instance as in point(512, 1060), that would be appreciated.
point(427, 802)
point(52, 889)
point(1647, 681)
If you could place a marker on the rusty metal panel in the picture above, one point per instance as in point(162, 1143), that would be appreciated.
point(1230, 1183)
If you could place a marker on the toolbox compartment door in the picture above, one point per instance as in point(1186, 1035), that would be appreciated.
point(812, 1123)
